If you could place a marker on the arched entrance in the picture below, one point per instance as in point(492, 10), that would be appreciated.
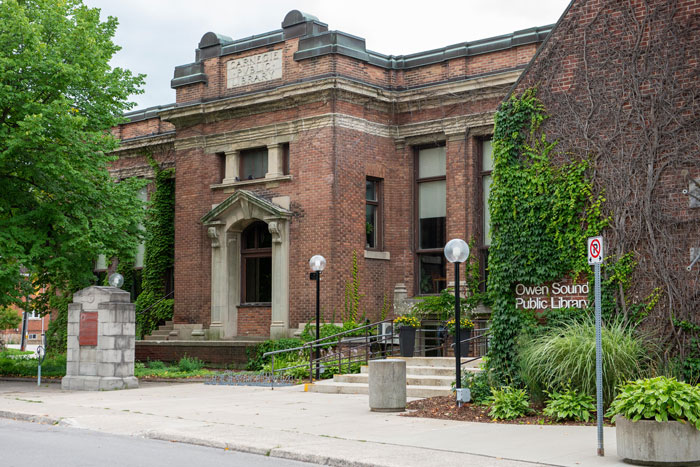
point(249, 260)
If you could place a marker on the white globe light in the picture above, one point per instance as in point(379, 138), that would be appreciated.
point(116, 280)
point(317, 263)
point(456, 251)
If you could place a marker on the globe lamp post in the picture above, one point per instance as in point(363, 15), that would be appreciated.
point(457, 251)
point(317, 263)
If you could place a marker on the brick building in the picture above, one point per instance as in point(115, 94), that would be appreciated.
point(300, 141)
point(620, 83)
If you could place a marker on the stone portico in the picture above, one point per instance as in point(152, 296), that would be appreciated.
point(224, 224)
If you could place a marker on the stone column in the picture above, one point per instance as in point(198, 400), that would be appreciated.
point(101, 341)
point(231, 171)
point(280, 278)
point(219, 294)
point(233, 280)
point(275, 161)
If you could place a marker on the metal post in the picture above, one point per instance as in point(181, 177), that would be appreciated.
point(598, 361)
point(318, 322)
point(272, 379)
point(311, 365)
point(458, 337)
point(23, 339)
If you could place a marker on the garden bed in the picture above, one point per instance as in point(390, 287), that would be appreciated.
point(444, 407)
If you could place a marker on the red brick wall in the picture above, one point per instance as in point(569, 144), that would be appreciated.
point(254, 320)
point(230, 353)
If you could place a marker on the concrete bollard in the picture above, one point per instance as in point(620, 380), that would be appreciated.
point(387, 385)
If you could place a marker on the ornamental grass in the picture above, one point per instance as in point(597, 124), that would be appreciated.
point(567, 354)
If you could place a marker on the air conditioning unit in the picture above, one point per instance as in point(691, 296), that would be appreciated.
point(386, 332)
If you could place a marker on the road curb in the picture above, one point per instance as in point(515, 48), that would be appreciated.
point(280, 453)
point(29, 418)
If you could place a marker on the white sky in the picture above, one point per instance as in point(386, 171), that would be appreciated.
point(157, 35)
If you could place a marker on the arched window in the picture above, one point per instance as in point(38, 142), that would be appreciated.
point(256, 264)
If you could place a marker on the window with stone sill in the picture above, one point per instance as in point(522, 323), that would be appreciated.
point(431, 208)
point(373, 214)
point(254, 164)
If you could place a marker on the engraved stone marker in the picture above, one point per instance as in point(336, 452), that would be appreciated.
point(254, 69)
point(101, 341)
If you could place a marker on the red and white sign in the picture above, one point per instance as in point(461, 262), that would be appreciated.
point(595, 250)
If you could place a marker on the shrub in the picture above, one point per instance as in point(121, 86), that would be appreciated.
point(659, 399)
point(157, 365)
point(188, 364)
point(300, 372)
point(567, 355)
point(256, 361)
point(508, 403)
point(479, 385)
point(569, 404)
point(442, 305)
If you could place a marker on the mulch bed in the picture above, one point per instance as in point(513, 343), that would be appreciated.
point(445, 408)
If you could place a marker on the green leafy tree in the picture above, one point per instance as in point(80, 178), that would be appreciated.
point(59, 97)
point(9, 319)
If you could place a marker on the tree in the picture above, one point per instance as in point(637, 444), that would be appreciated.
point(59, 207)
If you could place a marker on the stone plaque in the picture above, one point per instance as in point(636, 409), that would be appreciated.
point(88, 328)
point(254, 69)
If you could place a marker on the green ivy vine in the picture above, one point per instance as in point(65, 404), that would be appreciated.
point(152, 308)
point(541, 215)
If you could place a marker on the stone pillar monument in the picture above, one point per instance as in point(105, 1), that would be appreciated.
point(101, 341)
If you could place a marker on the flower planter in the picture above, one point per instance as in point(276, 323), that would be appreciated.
point(648, 442)
point(407, 341)
point(464, 347)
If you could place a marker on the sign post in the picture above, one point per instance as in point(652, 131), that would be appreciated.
point(595, 257)
point(40, 355)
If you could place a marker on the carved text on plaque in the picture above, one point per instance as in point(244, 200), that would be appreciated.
point(254, 69)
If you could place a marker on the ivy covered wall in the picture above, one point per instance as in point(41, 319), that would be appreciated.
point(154, 305)
point(541, 215)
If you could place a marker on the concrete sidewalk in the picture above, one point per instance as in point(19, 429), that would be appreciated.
point(333, 429)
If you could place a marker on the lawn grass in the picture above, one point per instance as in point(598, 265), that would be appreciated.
point(9, 351)
point(12, 366)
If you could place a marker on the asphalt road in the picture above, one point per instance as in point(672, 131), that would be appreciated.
point(26, 444)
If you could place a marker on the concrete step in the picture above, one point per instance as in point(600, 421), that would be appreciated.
point(411, 380)
point(428, 370)
point(169, 323)
point(331, 387)
point(161, 332)
point(443, 362)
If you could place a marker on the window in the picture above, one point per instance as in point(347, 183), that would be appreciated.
point(256, 264)
point(253, 163)
point(373, 213)
point(486, 180)
point(431, 213)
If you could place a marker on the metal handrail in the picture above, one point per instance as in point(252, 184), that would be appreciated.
point(337, 356)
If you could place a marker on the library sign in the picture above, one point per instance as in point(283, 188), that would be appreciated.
point(560, 294)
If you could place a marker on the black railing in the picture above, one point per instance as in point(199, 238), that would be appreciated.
point(375, 341)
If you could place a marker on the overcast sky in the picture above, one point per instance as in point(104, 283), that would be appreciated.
point(157, 35)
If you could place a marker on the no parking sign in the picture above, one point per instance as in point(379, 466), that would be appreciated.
point(595, 250)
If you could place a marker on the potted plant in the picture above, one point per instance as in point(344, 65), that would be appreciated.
point(657, 422)
point(465, 332)
point(407, 325)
